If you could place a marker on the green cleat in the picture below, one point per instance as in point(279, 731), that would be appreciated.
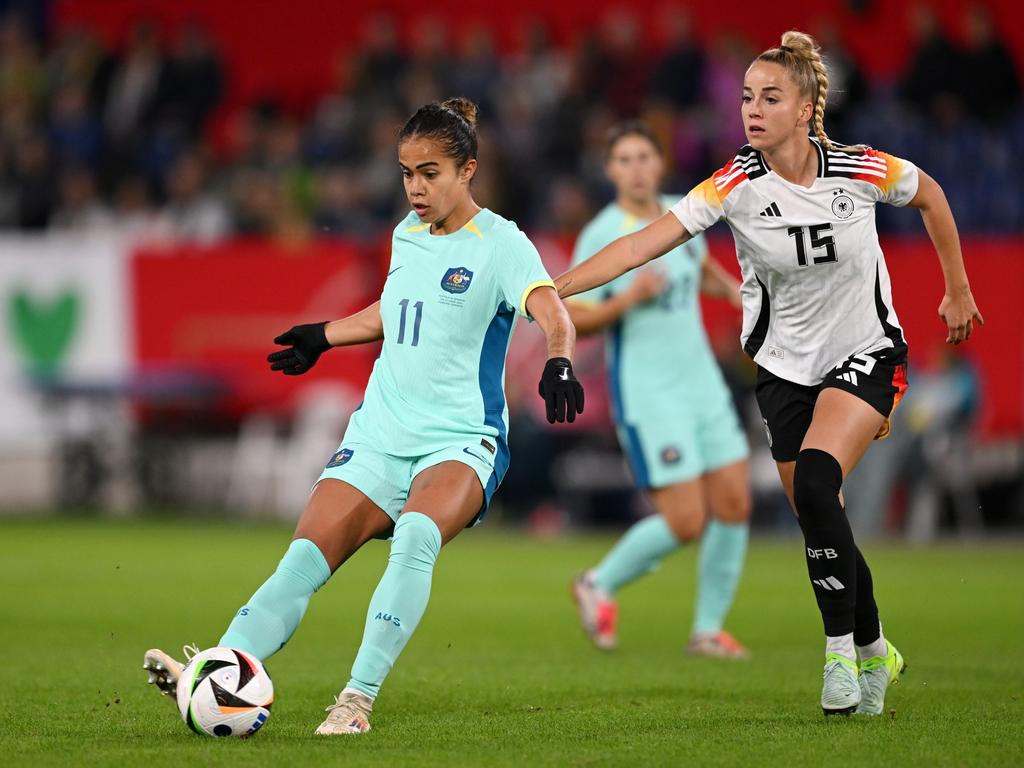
point(877, 674)
point(840, 695)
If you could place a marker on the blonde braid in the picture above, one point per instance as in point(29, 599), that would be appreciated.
point(818, 121)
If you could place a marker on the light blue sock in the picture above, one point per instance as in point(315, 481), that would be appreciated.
point(720, 565)
point(398, 602)
point(264, 624)
point(638, 552)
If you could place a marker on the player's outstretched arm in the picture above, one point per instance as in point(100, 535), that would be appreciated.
point(305, 343)
point(562, 393)
point(629, 252)
point(593, 317)
point(957, 309)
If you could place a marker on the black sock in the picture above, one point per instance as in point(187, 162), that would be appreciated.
point(866, 628)
point(829, 547)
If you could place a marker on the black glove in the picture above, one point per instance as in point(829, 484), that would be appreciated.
point(560, 390)
point(307, 342)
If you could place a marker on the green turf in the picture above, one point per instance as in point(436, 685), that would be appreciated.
point(498, 672)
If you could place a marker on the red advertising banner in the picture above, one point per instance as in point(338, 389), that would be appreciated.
point(214, 311)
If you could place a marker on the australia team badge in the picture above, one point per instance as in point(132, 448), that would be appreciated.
point(341, 457)
point(457, 280)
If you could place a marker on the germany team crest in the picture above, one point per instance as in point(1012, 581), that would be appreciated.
point(457, 280)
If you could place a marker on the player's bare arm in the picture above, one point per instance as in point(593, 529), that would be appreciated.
point(957, 310)
point(363, 327)
point(551, 315)
point(629, 252)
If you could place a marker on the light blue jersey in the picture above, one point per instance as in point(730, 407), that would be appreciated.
point(670, 403)
point(448, 307)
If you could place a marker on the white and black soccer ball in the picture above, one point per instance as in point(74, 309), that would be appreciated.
point(224, 692)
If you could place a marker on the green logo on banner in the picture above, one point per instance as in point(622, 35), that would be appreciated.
point(42, 329)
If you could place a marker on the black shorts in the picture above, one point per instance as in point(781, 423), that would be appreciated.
point(877, 378)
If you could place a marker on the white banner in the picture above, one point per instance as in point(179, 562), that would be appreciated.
point(65, 318)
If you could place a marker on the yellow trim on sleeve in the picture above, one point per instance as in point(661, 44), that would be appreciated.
point(530, 289)
point(472, 227)
point(417, 228)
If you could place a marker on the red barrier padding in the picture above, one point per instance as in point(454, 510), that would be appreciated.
point(214, 311)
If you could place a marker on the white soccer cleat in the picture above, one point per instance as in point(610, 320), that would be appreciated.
point(599, 613)
point(349, 714)
point(164, 671)
point(876, 675)
point(840, 694)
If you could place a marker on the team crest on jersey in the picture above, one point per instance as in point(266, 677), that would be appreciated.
point(341, 457)
point(457, 280)
point(842, 205)
point(671, 455)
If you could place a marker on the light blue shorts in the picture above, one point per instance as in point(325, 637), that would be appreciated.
point(385, 479)
point(679, 447)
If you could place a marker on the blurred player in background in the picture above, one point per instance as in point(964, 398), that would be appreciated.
point(673, 411)
point(426, 450)
point(818, 321)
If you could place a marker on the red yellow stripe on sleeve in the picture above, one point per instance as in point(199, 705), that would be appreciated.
point(881, 169)
point(725, 180)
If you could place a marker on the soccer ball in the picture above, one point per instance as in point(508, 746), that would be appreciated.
point(224, 692)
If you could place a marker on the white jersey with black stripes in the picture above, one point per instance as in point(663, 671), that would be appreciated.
point(815, 286)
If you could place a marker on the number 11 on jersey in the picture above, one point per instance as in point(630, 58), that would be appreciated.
point(418, 306)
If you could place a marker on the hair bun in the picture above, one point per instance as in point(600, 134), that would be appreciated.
point(799, 43)
point(463, 107)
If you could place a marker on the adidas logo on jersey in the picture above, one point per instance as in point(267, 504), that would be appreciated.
point(850, 376)
point(771, 210)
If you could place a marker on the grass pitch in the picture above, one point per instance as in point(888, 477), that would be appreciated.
point(498, 672)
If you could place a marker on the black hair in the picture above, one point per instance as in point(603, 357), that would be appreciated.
point(451, 123)
point(630, 128)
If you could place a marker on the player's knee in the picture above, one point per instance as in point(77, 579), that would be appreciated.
point(817, 480)
point(734, 508)
point(417, 541)
point(686, 525)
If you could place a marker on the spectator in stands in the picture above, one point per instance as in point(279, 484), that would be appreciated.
point(723, 80)
point(80, 211)
point(74, 60)
point(21, 75)
point(990, 86)
point(475, 70)
point(847, 86)
point(35, 182)
point(76, 135)
point(130, 84)
point(931, 82)
point(133, 213)
point(620, 73)
point(679, 71)
point(382, 67)
point(192, 80)
point(192, 213)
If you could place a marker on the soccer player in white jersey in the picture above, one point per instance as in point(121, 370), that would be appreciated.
point(818, 321)
point(426, 450)
point(673, 411)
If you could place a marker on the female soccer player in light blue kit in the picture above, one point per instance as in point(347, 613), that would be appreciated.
point(426, 450)
point(673, 412)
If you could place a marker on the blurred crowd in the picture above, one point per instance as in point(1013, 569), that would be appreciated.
point(124, 139)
